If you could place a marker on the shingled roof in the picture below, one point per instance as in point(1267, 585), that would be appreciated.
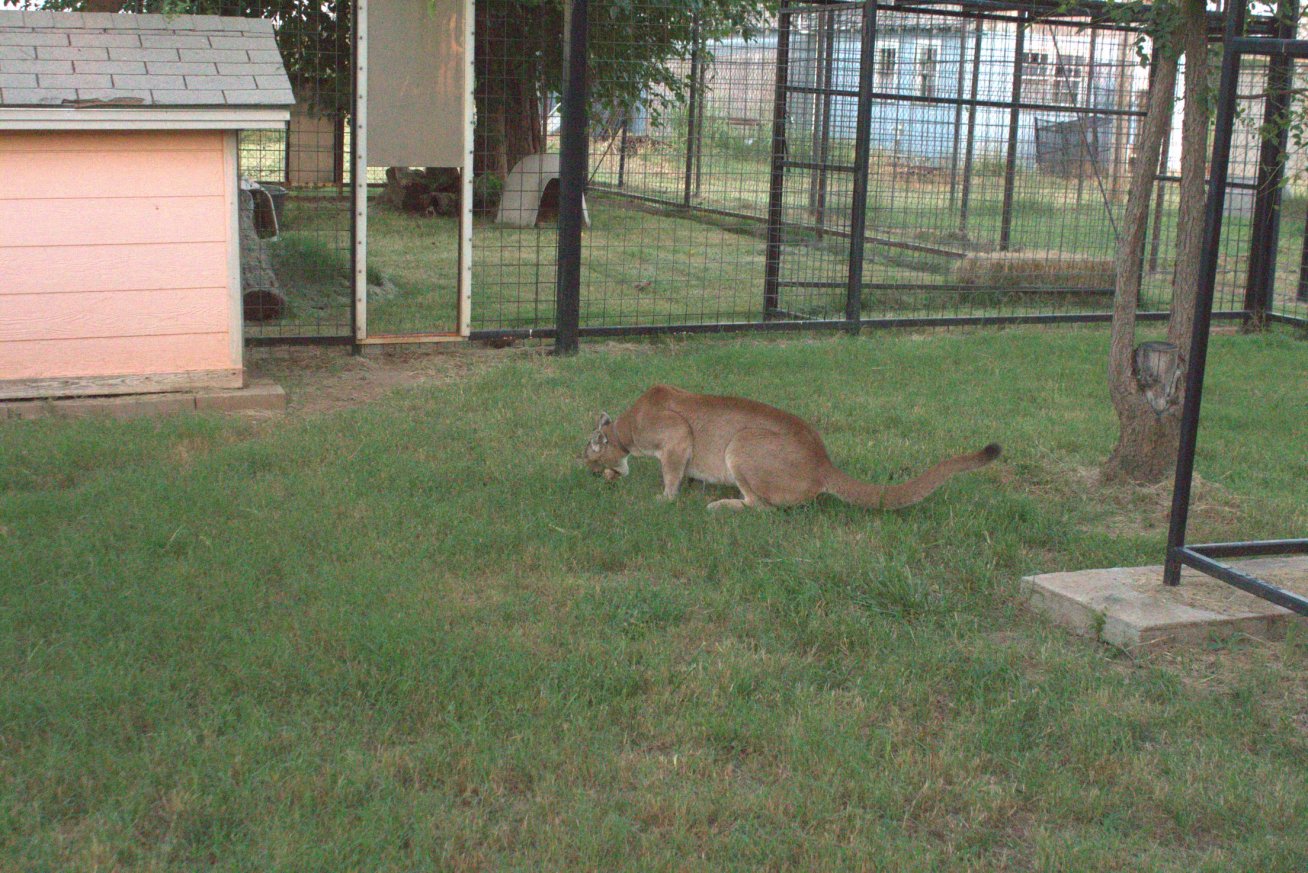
point(86, 59)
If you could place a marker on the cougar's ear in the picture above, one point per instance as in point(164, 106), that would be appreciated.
point(603, 420)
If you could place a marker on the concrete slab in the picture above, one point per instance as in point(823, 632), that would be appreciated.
point(260, 396)
point(1131, 608)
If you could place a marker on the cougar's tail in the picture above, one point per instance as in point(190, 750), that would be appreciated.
point(872, 496)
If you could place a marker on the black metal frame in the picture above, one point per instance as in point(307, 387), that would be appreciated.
point(1204, 557)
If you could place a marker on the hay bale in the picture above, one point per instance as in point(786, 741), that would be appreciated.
point(1036, 270)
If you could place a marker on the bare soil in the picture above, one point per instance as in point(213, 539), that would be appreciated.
point(320, 379)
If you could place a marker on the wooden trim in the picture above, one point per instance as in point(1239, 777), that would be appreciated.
point(397, 338)
point(231, 195)
point(142, 118)
point(466, 172)
point(70, 386)
point(359, 170)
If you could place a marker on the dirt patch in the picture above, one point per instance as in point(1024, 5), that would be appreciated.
point(325, 379)
point(1127, 509)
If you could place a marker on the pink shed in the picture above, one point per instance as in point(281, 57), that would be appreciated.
point(119, 240)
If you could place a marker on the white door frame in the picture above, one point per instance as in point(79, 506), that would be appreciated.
point(359, 189)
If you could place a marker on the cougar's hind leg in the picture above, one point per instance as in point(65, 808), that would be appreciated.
point(771, 470)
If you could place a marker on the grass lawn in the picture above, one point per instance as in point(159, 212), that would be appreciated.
point(414, 634)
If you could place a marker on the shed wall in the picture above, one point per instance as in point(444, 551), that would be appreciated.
point(116, 262)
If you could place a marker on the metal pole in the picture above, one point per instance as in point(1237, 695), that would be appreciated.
point(1302, 292)
point(572, 177)
point(958, 119)
point(622, 146)
point(772, 260)
point(1198, 357)
point(1089, 104)
point(1261, 284)
point(823, 71)
point(970, 151)
point(824, 146)
point(699, 116)
point(1010, 164)
point(691, 110)
point(862, 157)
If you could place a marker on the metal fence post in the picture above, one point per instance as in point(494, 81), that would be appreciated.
point(776, 209)
point(958, 117)
point(1261, 284)
point(1014, 115)
point(622, 146)
point(862, 156)
point(1203, 311)
point(692, 111)
point(1301, 292)
point(970, 151)
point(572, 177)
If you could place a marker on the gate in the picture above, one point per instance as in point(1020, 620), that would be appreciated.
point(817, 205)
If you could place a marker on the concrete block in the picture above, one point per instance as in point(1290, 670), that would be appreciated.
point(1129, 607)
point(258, 396)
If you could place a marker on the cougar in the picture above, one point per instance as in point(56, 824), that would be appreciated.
point(773, 457)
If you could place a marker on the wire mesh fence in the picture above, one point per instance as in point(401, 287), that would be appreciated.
point(721, 190)
point(296, 257)
point(725, 184)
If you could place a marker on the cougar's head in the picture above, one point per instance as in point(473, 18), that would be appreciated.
point(604, 454)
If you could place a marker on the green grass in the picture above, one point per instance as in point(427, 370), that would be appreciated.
point(415, 635)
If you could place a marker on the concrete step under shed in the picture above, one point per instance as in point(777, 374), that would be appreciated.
point(260, 396)
point(1131, 608)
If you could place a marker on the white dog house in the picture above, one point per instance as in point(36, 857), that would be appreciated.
point(525, 189)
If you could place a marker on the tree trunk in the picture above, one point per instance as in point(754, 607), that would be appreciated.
point(1194, 188)
point(1142, 452)
point(1149, 405)
point(509, 75)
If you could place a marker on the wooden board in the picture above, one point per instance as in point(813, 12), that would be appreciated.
point(92, 386)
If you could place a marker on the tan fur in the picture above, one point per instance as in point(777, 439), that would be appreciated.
point(773, 457)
